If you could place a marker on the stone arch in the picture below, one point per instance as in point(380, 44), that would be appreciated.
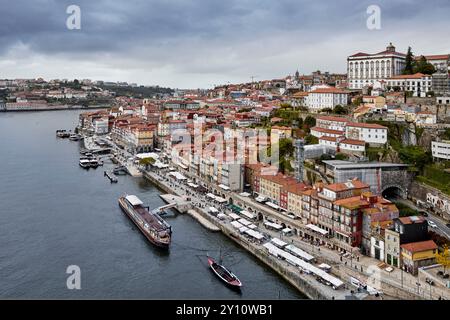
point(391, 190)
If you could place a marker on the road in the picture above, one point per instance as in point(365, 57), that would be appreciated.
point(441, 229)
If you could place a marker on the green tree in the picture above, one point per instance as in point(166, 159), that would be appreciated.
point(310, 139)
point(409, 62)
point(286, 147)
point(423, 66)
point(310, 121)
point(339, 110)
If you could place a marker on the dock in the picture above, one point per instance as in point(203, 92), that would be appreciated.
point(204, 222)
point(111, 176)
point(181, 204)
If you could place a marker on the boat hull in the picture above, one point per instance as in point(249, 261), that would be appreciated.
point(235, 284)
point(152, 240)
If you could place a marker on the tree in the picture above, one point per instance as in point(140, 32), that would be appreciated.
point(300, 122)
point(310, 121)
point(310, 139)
point(409, 61)
point(327, 110)
point(423, 66)
point(339, 110)
point(443, 258)
point(286, 147)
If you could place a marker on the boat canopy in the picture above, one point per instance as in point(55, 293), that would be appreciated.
point(134, 201)
point(317, 229)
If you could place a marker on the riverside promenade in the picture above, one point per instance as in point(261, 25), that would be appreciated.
point(307, 284)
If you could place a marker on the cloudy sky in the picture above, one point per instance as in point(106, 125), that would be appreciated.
point(201, 43)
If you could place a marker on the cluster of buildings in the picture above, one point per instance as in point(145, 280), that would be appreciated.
point(346, 136)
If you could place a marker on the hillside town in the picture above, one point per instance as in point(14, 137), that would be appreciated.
point(352, 168)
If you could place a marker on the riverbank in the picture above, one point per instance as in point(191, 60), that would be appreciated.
point(305, 284)
point(7, 108)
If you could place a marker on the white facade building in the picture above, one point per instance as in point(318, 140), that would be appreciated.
point(101, 126)
point(367, 132)
point(365, 69)
point(323, 98)
point(419, 84)
point(441, 150)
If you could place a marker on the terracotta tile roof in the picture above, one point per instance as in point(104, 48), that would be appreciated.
point(323, 130)
point(326, 138)
point(342, 186)
point(353, 142)
point(435, 57)
point(331, 118)
point(408, 220)
point(419, 246)
point(365, 125)
point(410, 76)
point(329, 90)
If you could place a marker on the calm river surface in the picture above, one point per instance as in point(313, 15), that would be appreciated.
point(54, 214)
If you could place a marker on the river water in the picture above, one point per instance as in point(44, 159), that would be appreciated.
point(54, 214)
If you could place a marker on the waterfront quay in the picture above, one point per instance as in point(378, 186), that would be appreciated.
point(395, 284)
point(392, 284)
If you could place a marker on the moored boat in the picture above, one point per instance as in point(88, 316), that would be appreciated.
point(152, 226)
point(93, 163)
point(224, 274)
point(85, 163)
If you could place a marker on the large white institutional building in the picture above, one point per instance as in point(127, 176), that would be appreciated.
point(365, 69)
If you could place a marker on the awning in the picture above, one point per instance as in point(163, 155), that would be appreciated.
point(317, 229)
point(141, 156)
point(243, 229)
point(193, 185)
point(252, 226)
point(224, 187)
point(273, 225)
point(221, 200)
point(279, 243)
point(272, 205)
point(244, 222)
point(213, 210)
point(254, 234)
point(234, 216)
point(236, 224)
point(210, 195)
point(247, 214)
point(245, 194)
point(260, 199)
point(286, 230)
point(177, 175)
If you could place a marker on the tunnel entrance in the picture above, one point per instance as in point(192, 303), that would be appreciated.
point(393, 192)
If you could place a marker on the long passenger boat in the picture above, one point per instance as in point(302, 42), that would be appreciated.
point(154, 228)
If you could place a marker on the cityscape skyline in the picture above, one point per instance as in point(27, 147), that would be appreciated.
point(220, 42)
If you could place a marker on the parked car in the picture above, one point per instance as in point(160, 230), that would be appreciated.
point(432, 224)
point(423, 213)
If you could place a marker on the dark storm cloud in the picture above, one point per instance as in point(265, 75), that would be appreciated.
point(219, 39)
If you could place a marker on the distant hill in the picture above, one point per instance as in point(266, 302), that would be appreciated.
point(138, 92)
